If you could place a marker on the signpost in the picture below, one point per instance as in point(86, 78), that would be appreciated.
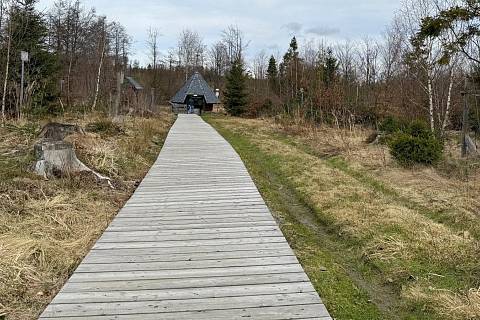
point(24, 57)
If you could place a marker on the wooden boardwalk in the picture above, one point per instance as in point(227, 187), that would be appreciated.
point(195, 241)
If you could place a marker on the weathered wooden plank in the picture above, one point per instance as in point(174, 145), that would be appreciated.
point(185, 283)
point(184, 293)
point(179, 265)
point(196, 203)
point(183, 273)
point(132, 237)
point(203, 210)
point(159, 213)
point(99, 257)
point(184, 244)
point(169, 306)
point(160, 232)
point(193, 249)
point(205, 221)
point(193, 226)
point(199, 216)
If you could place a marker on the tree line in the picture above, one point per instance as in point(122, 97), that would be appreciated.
point(420, 68)
point(417, 70)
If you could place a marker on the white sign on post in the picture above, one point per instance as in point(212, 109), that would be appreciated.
point(24, 56)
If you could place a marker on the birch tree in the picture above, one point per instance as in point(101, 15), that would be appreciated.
point(102, 51)
point(7, 68)
point(426, 60)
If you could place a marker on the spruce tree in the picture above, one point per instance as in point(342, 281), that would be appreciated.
point(236, 96)
point(272, 73)
point(294, 46)
point(329, 68)
point(29, 33)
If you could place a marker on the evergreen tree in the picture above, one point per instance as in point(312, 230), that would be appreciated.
point(294, 47)
point(465, 13)
point(289, 68)
point(272, 73)
point(236, 90)
point(29, 33)
point(329, 68)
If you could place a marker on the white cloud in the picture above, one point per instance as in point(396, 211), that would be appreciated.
point(293, 27)
point(268, 24)
point(323, 31)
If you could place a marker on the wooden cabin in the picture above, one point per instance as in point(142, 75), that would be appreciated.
point(197, 93)
point(133, 94)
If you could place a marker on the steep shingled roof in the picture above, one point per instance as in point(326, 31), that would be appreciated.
point(196, 85)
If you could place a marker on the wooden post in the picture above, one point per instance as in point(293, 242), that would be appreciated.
point(22, 83)
point(465, 126)
point(118, 93)
point(152, 98)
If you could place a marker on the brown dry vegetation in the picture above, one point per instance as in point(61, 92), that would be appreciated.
point(416, 231)
point(47, 227)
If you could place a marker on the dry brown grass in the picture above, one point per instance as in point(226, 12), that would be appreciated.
point(47, 227)
point(408, 223)
point(452, 305)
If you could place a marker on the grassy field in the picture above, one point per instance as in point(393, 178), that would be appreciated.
point(47, 227)
point(377, 240)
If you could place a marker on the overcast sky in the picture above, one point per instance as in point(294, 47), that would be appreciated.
point(267, 24)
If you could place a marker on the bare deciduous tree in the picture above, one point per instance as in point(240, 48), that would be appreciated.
point(234, 40)
point(191, 50)
point(102, 50)
point(153, 51)
point(218, 60)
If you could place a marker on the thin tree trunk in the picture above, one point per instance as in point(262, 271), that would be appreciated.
point(118, 94)
point(97, 89)
point(69, 77)
point(7, 69)
point(449, 102)
point(430, 102)
point(1, 14)
point(296, 76)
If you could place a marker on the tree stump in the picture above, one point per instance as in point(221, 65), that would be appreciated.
point(471, 146)
point(56, 157)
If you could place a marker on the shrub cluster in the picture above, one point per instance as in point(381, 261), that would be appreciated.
point(392, 125)
point(412, 143)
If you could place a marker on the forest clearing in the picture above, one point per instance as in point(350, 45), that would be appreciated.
point(348, 132)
